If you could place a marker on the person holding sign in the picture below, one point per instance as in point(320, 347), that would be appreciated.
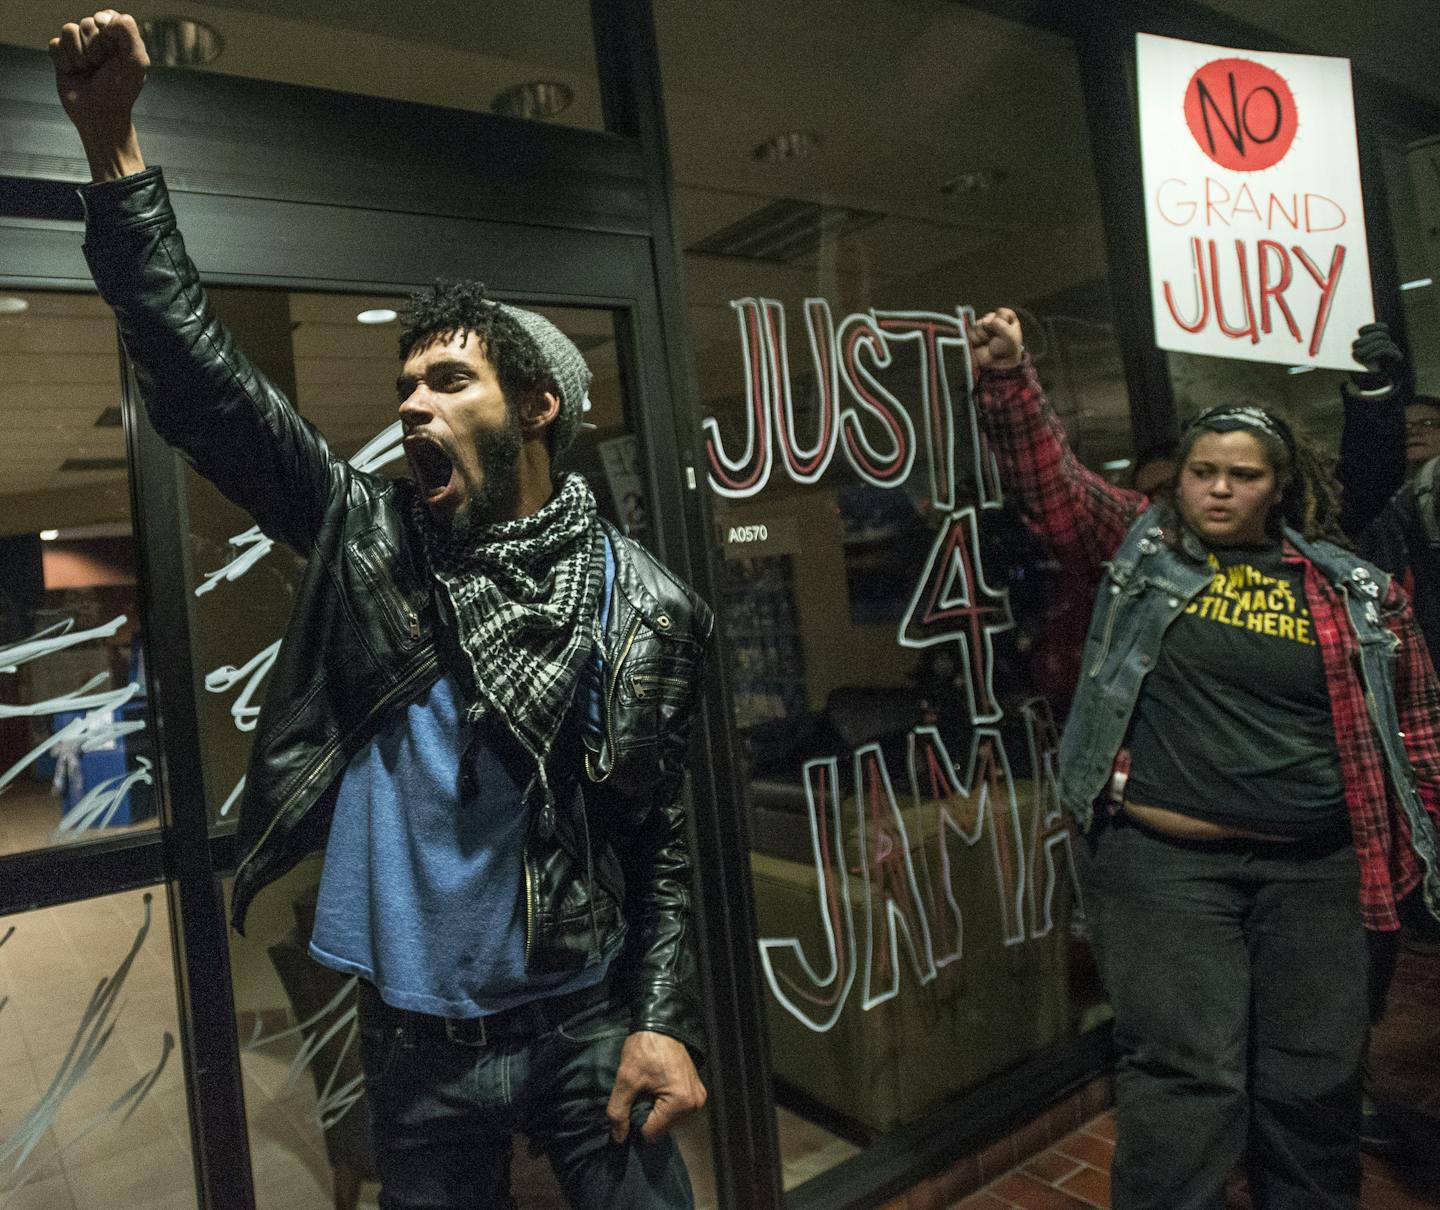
point(1389, 472)
point(506, 863)
point(1389, 469)
point(1253, 756)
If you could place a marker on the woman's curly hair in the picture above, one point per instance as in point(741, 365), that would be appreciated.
point(443, 309)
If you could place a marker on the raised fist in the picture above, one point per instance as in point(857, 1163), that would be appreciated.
point(1376, 350)
point(100, 66)
point(996, 340)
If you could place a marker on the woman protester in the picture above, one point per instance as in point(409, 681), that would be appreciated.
point(1253, 755)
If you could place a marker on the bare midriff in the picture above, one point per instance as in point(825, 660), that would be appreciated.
point(1187, 827)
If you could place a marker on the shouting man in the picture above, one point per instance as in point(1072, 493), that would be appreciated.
point(506, 868)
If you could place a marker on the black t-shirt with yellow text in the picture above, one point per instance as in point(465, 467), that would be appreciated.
point(1233, 723)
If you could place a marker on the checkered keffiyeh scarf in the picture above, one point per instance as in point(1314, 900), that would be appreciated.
point(523, 597)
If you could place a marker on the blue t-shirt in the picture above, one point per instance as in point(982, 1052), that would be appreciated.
point(422, 892)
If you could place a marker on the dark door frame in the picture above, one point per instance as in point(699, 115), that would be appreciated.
point(365, 252)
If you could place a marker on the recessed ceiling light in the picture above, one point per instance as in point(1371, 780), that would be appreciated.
point(533, 99)
point(1418, 284)
point(978, 181)
point(180, 42)
point(788, 145)
point(49, 535)
point(1115, 464)
point(380, 315)
point(10, 305)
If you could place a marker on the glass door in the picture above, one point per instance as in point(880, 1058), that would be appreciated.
point(279, 1103)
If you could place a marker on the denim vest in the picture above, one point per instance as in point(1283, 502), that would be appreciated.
point(1146, 586)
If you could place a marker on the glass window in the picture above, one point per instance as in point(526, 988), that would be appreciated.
point(295, 1018)
point(900, 648)
point(534, 61)
point(92, 1097)
point(75, 736)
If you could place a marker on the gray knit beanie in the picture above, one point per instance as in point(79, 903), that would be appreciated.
point(565, 365)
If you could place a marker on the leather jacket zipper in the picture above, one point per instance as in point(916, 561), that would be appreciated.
point(643, 683)
point(589, 875)
point(391, 596)
point(610, 700)
point(529, 911)
point(424, 667)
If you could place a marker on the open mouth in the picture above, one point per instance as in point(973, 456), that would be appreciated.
point(430, 465)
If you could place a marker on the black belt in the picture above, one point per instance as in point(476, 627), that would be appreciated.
point(525, 1021)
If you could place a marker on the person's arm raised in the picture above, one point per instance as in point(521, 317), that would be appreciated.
point(100, 68)
point(1069, 506)
point(1371, 462)
point(202, 394)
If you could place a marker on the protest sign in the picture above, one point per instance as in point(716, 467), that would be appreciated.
point(1253, 212)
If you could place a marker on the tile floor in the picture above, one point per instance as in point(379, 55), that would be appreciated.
point(29, 815)
point(1074, 1173)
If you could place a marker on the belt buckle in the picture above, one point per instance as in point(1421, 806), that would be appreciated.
point(459, 1031)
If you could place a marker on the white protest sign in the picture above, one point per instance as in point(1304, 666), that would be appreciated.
point(1253, 209)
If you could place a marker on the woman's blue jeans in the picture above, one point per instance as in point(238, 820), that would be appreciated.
point(445, 1114)
point(1238, 975)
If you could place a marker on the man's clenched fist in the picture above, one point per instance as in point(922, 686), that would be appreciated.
point(100, 66)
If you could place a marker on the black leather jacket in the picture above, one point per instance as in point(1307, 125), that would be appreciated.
point(608, 871)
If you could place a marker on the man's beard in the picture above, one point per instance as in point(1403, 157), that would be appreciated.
point(499, 452)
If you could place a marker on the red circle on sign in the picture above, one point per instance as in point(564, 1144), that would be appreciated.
point(1241, 113)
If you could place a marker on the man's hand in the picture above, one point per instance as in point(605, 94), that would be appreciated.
point(1376, 350)
point(659, 1067)
point(100, 66)
point(996, 340)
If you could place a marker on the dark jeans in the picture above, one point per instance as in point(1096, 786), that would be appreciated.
point(445, 1111)
point(1238, 975)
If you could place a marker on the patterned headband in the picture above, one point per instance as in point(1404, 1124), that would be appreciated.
point(1245, 416)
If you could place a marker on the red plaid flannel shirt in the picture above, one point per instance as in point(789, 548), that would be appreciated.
point(1076, 511)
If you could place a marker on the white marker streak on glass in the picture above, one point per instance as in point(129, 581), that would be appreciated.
point(97, 1025)
point(88, 733)
point(259, 546)
point(256, 669)
point(98, 806)
point(381, 449)
point(10, 932)
point(76, 699)
point(53, 638)
point(234, 797)
point(333, 1103)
